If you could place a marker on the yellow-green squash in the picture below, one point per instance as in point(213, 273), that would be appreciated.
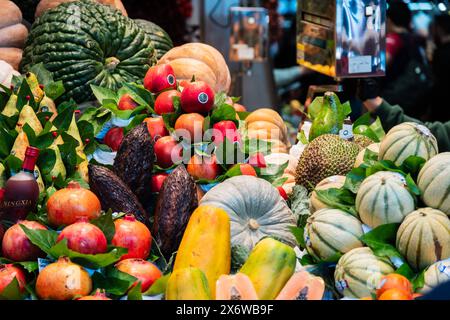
point(206, 244)
point(269, 267)
point(187, 284)
point(424, 237)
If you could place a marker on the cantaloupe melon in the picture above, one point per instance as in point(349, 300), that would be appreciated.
point(359, 271)
point(437, 274)
point(235, 287)
point(303, 286)
point(374, 147)
point(434, 182)
point(424, 237)
point(384, 198)
point(332, 231)
point(408, 139)
point(327, 183)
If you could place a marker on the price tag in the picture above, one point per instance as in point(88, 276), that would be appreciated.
point(346, 132)
point(362, 64)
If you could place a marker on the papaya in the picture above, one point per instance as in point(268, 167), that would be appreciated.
point(206, 244)
point(235, 287)
point(269, 266)
point(187, 284)
point(303, 286)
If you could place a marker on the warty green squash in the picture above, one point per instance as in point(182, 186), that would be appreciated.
point(161, 40)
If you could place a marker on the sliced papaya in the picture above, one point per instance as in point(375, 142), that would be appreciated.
point(235, 287)
point(303, 286)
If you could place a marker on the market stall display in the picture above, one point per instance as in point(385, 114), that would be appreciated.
point(162, 186)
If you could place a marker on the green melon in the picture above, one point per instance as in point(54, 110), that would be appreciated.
point(84, 43)
point(434, 182)
point(384, 198)
point(161, 40)
point(329, 232)
point(359, 271)
point(437, 274)
point(408, 139)
point(424, 237)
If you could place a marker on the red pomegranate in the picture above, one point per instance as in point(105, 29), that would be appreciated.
point(167, 151)
point(84, 237)
point(157, 181)
point(16, 245)
point(156, 128)
point(65, 206)
point(7, 274)
point(159, 78)
point(99, 295)
point(146, 272)
point(202, 167)
point(225, 129)
point(63, 280)
point(164, 102)
point(134, 236)
point(114, 138)
point(197, 97)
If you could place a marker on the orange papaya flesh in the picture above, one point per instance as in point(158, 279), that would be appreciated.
point(303, 286)
point(235, 287)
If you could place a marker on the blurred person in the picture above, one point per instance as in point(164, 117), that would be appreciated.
point(408, 75)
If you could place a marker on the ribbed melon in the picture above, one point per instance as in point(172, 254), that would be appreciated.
point(408, 139)
point(384, 198)
point(374, 147)
point(434, 182)
point(332, 231)
point(359, 271)
point(303, 286)
point(437, 274)
point(327, 183)
point(424, 237)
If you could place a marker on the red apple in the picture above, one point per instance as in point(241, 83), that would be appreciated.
point(203, 167)
point(156, 128)
point(164, 102)
point(248, 170)
point(283, 193)
point(257, 160)
point(197, 97)
point(167, 151)
point(190, 127)
point(225, 129)
point(157, 181)
point(159, 78)
point(114, 138)
point(126, 102)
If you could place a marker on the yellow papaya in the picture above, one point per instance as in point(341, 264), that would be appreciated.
point(206, 244)
point(187, 284)
point(269, 266)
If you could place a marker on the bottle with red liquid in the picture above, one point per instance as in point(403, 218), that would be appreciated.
point(21, 191)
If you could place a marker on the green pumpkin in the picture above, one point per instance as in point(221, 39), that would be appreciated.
point(161, 40)
point(84, 43)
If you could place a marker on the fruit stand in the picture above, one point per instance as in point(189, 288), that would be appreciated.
point(126, 168)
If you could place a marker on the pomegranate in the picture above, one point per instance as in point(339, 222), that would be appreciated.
point(164, 102)
point(203, 167)
point(114, 138)
point(156, 128)
point(7, 274)
point(197, 97)
point(134, 236)
point(159, 78)
point(16, 245)
point(63, 280)
point(225, 129)
point(168, 151)
point(84, 237)
point(65, 206)
point(99, 295)
point(146, 272)
point(126, 102)
point(157, 181)
point(190, 127)
point(247, 170)
point(257, 160)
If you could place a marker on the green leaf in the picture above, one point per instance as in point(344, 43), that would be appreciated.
point(65, 115)
point(31, 135)
point(44, 76)
point(69, 153)
point(137, 120)
point(102, 94)
point(12, 291)
point(113, 281)
point(22, 95)
point(106, 223)
point(272, 172)
point(220, 99)
point(13, 163)
point(251, 146)
point(135, 292)
point(223, 112)
point(302, 137)
point(342, 199)
point(419, 280)
point(354, 179)
point(307, 259)
point(54, 90)
point(122, 114)
point(364, 120)
point(406, 271)
point(243, 115)
point(7, 139)
point(299, 202)
point(44, 239)
point(412, 165)
point(315, 107)
point(298, 234)
point(139, 94)
point(412, 186)
point(385, 233)
point(158, 287)
point(229, 153)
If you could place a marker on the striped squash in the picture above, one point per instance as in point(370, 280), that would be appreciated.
point(437, 274)
point(383, 198)
point(434, 182)
point(327, 183)
point(424, 237)
point(332, 231)
point(161, 40)
point(359, 272)
point(408, 139)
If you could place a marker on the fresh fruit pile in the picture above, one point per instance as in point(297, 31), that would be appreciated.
point(167, 188)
